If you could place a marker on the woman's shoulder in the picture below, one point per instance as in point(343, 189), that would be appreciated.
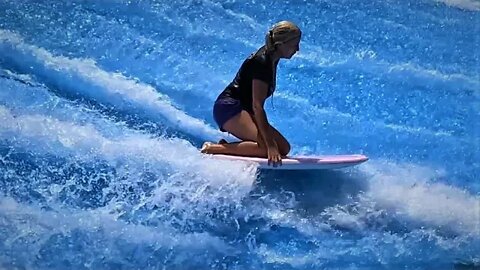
point(259, 58)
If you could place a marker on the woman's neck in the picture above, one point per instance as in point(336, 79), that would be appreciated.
point(274, 56)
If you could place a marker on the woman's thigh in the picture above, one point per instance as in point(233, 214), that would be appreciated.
point(243, 127)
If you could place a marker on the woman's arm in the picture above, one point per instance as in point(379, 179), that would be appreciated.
point(260, 90)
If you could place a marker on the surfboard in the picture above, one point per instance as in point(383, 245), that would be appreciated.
point(302, 162)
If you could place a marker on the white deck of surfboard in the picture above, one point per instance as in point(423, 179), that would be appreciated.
point(303, 162)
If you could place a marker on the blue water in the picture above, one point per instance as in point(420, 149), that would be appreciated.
point(103, 105)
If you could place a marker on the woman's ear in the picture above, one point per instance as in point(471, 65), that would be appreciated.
point(276, 45)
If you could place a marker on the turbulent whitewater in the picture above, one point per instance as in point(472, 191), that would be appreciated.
point(104, 104)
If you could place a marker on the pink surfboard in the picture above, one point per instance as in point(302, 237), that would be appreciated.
point(303, 162)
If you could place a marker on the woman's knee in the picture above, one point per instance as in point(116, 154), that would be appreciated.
point(282, 143)
point(284, 148)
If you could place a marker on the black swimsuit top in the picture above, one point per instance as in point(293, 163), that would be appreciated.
point(257, 66)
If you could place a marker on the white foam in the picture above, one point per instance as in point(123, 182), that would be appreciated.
point(50, 135)
point(25, 78)
point(293, 260)
point(410, 191)
point(368, 60)
point(43, 224)
point(109, 87)
point(418, 130)
point(435, 74)
point(32, 98)
point(184, 180)
point(473, 5)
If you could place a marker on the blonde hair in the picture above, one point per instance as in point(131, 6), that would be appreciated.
point(280, 33)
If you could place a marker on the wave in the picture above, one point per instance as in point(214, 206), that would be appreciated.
point(48, 135)
point(367, 60)
point(305, 104)
point(473, 5)
point(382, 212)
point(84, 77)
point(34, 232)
point(412, 193)
point(22, 94)
point(373, 197)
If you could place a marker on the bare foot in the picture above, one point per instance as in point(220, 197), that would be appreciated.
point(205, 147)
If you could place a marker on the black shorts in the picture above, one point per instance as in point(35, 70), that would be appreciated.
point(224, 109)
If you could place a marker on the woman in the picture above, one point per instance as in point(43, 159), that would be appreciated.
point(239, 108)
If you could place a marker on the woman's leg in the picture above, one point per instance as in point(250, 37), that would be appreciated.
point(282, 143)
point(243, 127)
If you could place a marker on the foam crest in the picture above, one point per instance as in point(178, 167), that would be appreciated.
point(28, 129)
point(463, 4)
point(24, 78)
point(173, 183)
point(416, 70)
point(187, 17)
point(107, 87)
point(43, 224)
point(368, 60)
point(50, 135)
point(418, 130)
point(30, 97)
point(410, 191)
point(240, 17)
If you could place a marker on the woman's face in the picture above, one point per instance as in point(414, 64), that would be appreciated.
point(289, 48)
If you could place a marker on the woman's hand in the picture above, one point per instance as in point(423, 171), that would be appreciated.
point(274, 156)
